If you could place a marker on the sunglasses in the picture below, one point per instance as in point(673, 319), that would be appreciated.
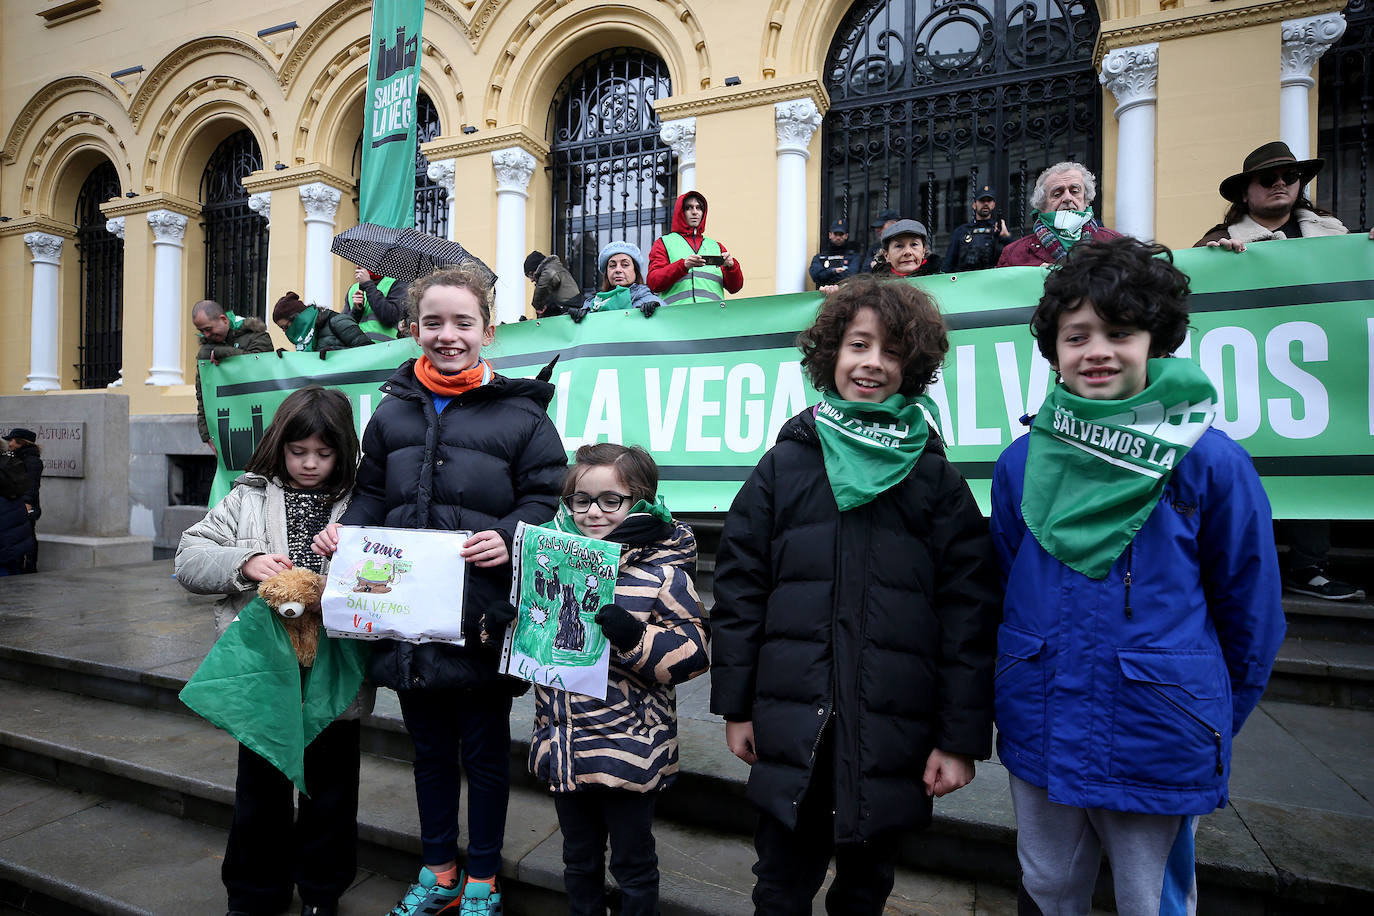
point(1269, 178)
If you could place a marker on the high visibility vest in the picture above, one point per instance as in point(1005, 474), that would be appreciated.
point(369, 323)
point(700, 284)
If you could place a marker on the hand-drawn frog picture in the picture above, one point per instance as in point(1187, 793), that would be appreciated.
point(375, 578)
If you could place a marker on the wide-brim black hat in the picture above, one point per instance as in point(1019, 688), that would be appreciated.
point(1268, 156)
point(20, 432)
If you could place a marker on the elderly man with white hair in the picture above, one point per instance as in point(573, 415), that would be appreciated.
point(1062, 207)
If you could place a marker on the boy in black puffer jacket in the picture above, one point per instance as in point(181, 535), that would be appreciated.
point(856, 608)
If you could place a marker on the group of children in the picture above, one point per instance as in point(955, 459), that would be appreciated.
point(861, 643)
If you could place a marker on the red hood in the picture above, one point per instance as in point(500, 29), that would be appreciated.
point(680, 222)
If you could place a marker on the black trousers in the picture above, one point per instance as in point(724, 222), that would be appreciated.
point(792, 863)
point(271, 848)
point(587, 818)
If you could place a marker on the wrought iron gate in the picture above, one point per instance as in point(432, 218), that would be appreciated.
point(431, 200)
point(1345, 91)
point(100, 354)
point(931, 99)
point(235, 236)
point(613, 177)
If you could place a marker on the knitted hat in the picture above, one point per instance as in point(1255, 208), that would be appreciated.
point(621, 248)
point(534, 260)
point(287, 307)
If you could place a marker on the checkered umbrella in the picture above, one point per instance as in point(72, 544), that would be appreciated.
point(405, 254)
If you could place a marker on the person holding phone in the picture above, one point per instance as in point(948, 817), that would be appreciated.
point(978, 244)
point(686, 265)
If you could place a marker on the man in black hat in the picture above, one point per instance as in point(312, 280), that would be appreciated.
point(978, 244)
point(555, 290)
point(881, 223)
point(1268, 203)
point(836, 260)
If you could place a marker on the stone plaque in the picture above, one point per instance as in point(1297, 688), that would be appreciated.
point(63, 445)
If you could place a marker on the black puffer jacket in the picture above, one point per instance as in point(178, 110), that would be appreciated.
point(32, 460)
point(491, 459)
point(878, 623)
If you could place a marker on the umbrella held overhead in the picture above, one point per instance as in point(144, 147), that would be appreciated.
point(404, 254)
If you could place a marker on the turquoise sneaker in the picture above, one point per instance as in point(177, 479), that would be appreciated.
point(480, 899)
point(427, 898)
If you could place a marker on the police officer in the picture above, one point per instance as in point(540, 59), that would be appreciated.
point(978, 244)
point(836, 260)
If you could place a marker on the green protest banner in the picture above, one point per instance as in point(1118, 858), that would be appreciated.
point(387, 187)
point(1285, 330)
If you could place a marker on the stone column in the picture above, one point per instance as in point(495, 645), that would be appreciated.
point(441, 173)
point(513, 168)
point(796, 123)
point(116, 227)
point(261, 204)
point(681, 137)
point(1130, 74)
point(168, 228)
point(321, 203)
point(47, 256)
point(1304, 41)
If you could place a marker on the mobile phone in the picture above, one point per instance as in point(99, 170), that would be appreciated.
point(715, 260)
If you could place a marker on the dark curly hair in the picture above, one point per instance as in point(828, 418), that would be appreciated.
point(909, 317)
point(1129, 283)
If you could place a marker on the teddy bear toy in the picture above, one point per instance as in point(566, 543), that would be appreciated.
point(295, 596)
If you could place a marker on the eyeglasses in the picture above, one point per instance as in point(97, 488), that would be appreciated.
point(606, 502)
point(1270, 178)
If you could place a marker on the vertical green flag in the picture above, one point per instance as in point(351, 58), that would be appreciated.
point(387, 194)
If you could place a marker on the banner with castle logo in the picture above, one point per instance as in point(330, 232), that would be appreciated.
point(396, 583)
point(386, 190)
point(1285, 331)
point(560, 581)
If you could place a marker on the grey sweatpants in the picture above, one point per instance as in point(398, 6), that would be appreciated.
point(1060, 848)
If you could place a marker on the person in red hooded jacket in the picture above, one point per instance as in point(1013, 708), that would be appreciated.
point(687, 265)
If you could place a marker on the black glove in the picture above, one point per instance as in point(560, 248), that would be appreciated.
point(648, 307)
point(577, 313)
point(495, 621)
point(621, 627)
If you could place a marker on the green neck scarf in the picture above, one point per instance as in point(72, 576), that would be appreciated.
point(1096, 469)
point(234, 320)
point(867, 448)
point(617, 297)
point(1067, 225)
point(302, 329)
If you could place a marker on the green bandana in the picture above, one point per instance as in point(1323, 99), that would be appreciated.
point(1096, 469)
point(1067, 225)
point(867, 448)
point(302, 329)
point(617, 297)
point(234, 320)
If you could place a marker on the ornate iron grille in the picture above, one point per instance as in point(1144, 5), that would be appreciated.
point(1345, 89)
point(100, 354)
point(235, 236)
point(431, 200)
point(613, 177)
point(931, 99)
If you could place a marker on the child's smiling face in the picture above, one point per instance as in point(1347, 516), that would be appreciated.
point(1098, 360)
point(450, 329)
point(597, 481)
point(868, 367)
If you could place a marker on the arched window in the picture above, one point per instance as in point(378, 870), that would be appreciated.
point(1345, 89)
point(431, 200)
point(235, 236)
point(101, 253)
point(931, 99)
point(613, 177)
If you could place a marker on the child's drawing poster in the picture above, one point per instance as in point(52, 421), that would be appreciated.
point(560, 581)
point(396, 583)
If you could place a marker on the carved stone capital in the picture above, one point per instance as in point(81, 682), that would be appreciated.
point(513, 168)
point(681, 136)
point(1304, 41)
point(441, 172)
point(47, 249)
point(261, 204)
point(1130, 74)
point(168, 227)
point(115, 226)
point(321, 201)
point(797, 122)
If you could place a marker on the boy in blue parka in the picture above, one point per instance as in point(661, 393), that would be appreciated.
point(1142, 610)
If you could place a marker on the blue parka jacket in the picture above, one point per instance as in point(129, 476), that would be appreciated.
point(1124, 693)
